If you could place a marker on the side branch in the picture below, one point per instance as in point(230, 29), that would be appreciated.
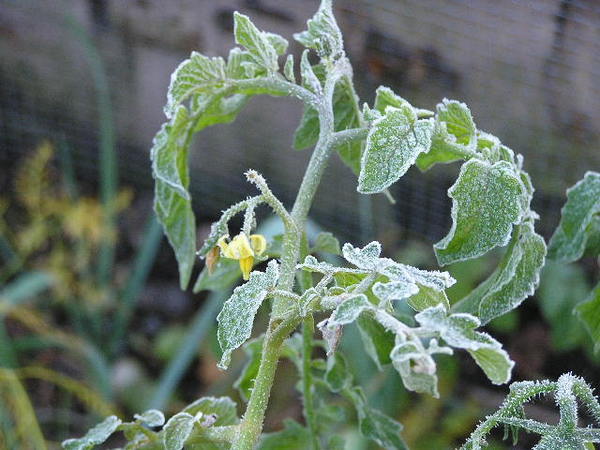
point(258, 180)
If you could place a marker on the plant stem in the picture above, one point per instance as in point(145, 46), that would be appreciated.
point(308, 329)
point(279, 329)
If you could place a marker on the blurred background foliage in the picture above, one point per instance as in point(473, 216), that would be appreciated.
point(92, 320)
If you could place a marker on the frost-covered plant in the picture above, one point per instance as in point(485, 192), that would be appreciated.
point(566, 434)
point(379, 142)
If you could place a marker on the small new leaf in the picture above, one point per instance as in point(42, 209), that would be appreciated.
point(393, 144)
point(237, 316)
point(486, 203)
point(259, 44)
point(177, 430)
point(323, 33)
point(309, 79)
point(95, 436)
point(152, 418)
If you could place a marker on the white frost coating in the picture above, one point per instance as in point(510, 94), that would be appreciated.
point(177, 430)
point(394, 290)
point(197, 74)
point(431, 278)
point(256, 42)
point(349, 310)
point(393, 144)
point(366, 258)
point(323, 33)
point(152, 418)
point(311, 264)
point(458, 330)
point(237, 316)
point(309, 79)
point(486, 203)
point(95, 436)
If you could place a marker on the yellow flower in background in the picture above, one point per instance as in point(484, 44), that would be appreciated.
point(244, 249)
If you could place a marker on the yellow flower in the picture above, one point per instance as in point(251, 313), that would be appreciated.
point(243, 249)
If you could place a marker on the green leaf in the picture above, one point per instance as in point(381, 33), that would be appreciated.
point(172, 201)
point(326, 243)
point(385, 97)
point(293, 437)
point(95, 436)
point(577, 225)
point(589, 313)
point(226, 273)
point(223, 410)
point(486, 203)
point(428, 297)
point(288, 69)
point(375, 425)
point(495, 362)
point(309, 79)
point(177, 430)
point(323, 33)
point(458, 330)
point(279, 43)
point(195, 75)
point(454, 135)
point(394, 290)
point(337, 375)
point(393, 144)
point(307, 133)
point(237, 316)
point(152, 418)
point(416, 366)
point(515, 279)
point(349, 310)
point(258, 43)
point(378, 341)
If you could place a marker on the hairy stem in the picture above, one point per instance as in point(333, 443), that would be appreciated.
point(308, 329)
point(278, 329)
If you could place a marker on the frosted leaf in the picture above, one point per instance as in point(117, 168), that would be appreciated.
point(95, 436)
point(393, 144)
point(222, 409)
point(515, 279)
point(309, 79)
point(237, 316)
point(431, 278)
point(349, 310)
point(427, 297)
point(152, 418)
point(279, 43)
point(257, 42)
point(172, 202)
point(458, 330)
point(366, 258)
point(323, 33)
point(454, 135)
point(486, 203)
point(177, 430)
point(394, 290)
point(293, 436)
point(417, 374)
point(589, 313)
point(495, 362)
point(311, 264)
point(326, 242)
point(385, 97)
point(197, 74)
point(306, 300)
point(570, 239)
point(288, 69)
